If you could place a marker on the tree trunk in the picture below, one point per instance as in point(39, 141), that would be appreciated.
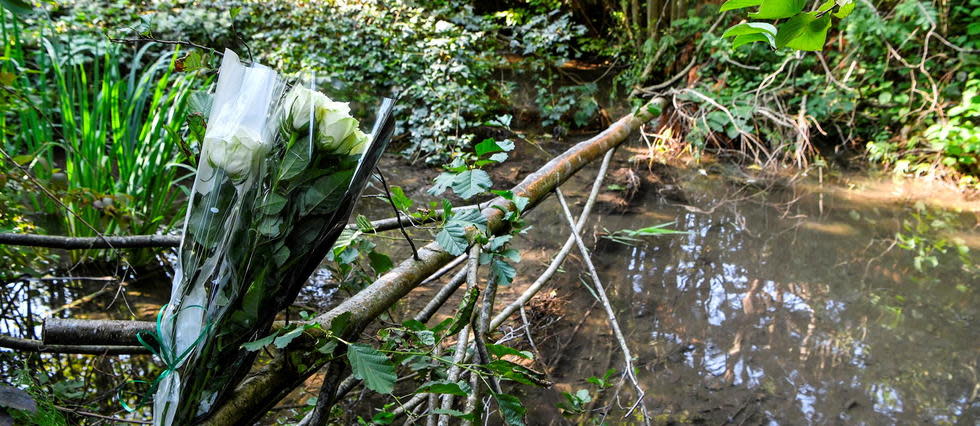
point(654, 7)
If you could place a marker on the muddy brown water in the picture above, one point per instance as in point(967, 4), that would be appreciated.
point(786, 304)
point(783, 303)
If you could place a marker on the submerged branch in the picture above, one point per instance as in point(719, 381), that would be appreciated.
point(604, 299)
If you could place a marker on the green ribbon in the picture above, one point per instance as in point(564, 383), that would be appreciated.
point(170, 359)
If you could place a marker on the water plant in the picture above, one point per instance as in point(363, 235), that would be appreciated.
point(102, 133)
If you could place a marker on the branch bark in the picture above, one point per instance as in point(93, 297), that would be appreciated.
point(93, 332)
point(153, 241)
point(31, 345)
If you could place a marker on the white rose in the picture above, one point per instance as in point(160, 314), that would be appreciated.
point(301, 105)
point(355, 143)
point(334, 124)
point(236, 153)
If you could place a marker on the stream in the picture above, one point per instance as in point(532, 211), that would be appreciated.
point(785, 303)
point(845, 299)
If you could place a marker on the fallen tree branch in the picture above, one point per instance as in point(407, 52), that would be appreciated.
point(162, 241)
point(31, 345)
point(85, 243)
point(57, 331)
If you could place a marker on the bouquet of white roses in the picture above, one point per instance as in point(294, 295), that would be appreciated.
point(278, 180)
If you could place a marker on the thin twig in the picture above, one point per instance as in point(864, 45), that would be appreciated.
point(146, 39)
point(527, 331)
point(600, 290)
point(398, 215)
point(463, 342)
point(53, 197)
point(100, 416)
point(563, 253)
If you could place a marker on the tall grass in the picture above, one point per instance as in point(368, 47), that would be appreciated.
point(103, 134)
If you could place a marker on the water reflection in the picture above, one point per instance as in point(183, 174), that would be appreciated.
point(817, 325)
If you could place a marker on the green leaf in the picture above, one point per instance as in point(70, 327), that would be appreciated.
point(778, 9)
point(193, 61)
point(654, 109)
point(327, 348)
point(373, 367)
point(442, 182)
point(271, 226)
point(259, 344)
point(281, 255)
point(803, 32)
point(749, 28)
point(470, 217)
point(296, 159)
point(455, 413)
point(445, 387)
point(738, 4)
point(498, 242)
point(465, 311)
point(272, 204)
point(18, 7)
point(383, 418)
point(380, 262)
point(499, 157)
point(340, 323)
point(511, 254)
point(521, 202)
point(511, 408)
point(518, 373)
point(502, 272)
point(825, 6)
point(414, 325)
point(471, 183)
point(506, 144)
point(752, 38)
point(326, 191)
point(253, 298)
point(285, 339)
point(426, 337)
point(399, 199)
point(487, 146)
point(452, 238)
point(844, 9)
point(363, 224)
point(500, 350)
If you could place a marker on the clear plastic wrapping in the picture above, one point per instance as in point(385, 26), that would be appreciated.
point(280, 171)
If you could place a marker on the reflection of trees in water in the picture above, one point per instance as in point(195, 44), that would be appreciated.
point(94, 383)
point(789, 310)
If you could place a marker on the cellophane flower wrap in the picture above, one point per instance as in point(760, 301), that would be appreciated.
point(280, 172)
